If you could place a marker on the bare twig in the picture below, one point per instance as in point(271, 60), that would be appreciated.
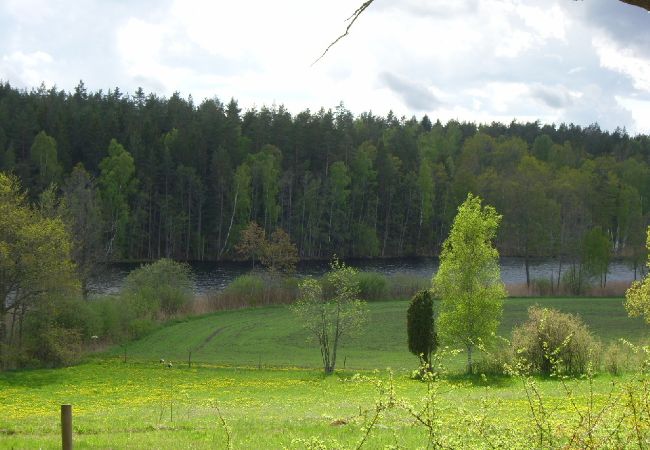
point(353, 18)
point(645, 4)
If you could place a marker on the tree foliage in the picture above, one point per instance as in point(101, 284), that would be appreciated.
point(81, 212)
point(468, 281)
point(420, 327)
point(117, 184)
point(44, 157)
point(164, 286)
point(278, 254)
point(329, 319)
point(35, 263)
point(353, 185)
point(637, 297)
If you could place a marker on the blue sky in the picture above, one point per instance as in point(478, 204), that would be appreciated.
point(552, 60)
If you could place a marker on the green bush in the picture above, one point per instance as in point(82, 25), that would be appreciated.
point(140, 327)
point(56, 346)
point(619, 358)
point(496, 358)
point(420, 327)
point(372, 286)
point(114, 316)
point(80, 315)
point(164, 286)
point(552, 341)
point(247, 289)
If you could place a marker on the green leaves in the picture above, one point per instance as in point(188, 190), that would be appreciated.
point(117, 183)
point(637, 297)
point(468, 280)
point(331, 309)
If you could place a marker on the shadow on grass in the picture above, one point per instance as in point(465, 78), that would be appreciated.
point(31, 378)
point(478, 380)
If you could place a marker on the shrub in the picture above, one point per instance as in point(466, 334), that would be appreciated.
point(496, 359)
point(247, 289)
point(163, 286)
point(552, 341)
point(55, 346)
point(542, 287)
point(254, 289)
point(140, 327)
point(420, 327)
point(614, 359)
point(372, 286)
point(620, 357)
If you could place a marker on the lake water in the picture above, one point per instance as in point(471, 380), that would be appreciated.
point(214, 276)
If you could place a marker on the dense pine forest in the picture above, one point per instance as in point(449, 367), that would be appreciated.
point(165, 177)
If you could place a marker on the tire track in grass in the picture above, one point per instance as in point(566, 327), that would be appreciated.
point(209, 338)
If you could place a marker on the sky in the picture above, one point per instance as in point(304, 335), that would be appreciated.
point(471, 60)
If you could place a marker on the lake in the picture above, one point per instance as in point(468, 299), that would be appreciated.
point(214, 276)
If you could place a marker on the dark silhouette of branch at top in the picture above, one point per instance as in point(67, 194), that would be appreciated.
point(353, 18)
point(645, 4)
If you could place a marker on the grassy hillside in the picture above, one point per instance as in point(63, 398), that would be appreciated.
point(144, 404)
point(273, 337)
point(138, 405)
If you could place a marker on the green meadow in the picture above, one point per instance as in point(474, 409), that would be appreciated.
point(255, 382)
point(273, 337)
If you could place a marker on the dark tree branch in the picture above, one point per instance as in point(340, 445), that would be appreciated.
point(645, 4)
point(353, 18)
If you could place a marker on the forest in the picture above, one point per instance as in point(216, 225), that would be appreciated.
point(166, 177)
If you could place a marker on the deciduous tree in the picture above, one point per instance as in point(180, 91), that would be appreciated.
point(117, 183)
point(35, 262)
point(469, 281)
point(279, 254)
point(331, 319)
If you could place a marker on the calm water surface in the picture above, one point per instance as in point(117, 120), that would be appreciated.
point(213, 276)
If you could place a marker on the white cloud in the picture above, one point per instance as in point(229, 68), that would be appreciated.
point(640, 110)
point(624, 61)
point(27, 69)
point(553, 60)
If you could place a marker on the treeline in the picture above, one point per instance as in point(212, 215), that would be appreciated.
point(177, 179)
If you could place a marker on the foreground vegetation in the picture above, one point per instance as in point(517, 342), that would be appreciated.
point(151, 406)
point(244, 373)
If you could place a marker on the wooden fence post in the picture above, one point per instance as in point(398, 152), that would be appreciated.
point(66, 427)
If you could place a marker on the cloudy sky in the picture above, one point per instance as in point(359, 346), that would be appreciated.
point(482, 60)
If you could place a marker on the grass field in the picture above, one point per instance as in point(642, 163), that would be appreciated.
point(273, 337)
point(143, 404)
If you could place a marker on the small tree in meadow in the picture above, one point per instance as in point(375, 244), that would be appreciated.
point(469, 280)
point(330, 319)
point(420, 327)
